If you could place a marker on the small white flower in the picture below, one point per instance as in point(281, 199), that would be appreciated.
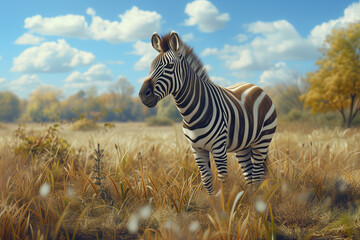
point(194, 225)
point(260, 206)
point(145, 212)
point(44, 189)
point(169, 225)
point(70, 192)
point(133, 223)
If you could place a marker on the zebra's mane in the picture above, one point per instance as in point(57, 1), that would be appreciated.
point(193, 60)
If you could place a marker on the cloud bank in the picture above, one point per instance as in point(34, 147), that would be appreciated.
point(133, 25)
point(268, 43)
point(51, 57)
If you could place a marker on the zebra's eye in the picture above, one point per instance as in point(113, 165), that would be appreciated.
point(169, 65)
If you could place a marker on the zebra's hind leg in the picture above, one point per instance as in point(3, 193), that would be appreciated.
point(244, 159)
point(203, 163)
point(259, 155)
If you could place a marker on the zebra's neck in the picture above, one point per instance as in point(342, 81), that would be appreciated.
point(193, 95)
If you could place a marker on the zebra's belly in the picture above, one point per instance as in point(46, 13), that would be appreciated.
point(236, 149)
point(199, 139)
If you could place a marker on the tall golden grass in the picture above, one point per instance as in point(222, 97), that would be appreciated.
point(152, 188)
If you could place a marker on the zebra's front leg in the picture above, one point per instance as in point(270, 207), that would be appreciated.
point(203, 162)
point(220, 157)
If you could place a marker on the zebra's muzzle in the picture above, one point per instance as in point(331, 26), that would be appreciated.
point(152, 103)
point(147, 96)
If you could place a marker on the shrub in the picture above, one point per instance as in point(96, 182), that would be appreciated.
point(84, 125)
point(46, 143)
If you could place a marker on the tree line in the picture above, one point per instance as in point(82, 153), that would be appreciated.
point(48, 104)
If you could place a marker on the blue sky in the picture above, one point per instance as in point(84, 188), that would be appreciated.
point(73, 45)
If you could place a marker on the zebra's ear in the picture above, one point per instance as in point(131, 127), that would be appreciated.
point(155, 41)
point(174, 41)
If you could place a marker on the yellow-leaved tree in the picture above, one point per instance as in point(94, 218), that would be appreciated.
point(44, 104)
point(335, 86)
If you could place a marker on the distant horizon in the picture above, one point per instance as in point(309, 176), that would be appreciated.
point(73, 46)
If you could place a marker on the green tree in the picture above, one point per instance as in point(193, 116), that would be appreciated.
point(82, 104)
point(74, 106)
point(9, 107)
point(119, 103)
point(44, 104)
point(123, 88)
point(335, 86)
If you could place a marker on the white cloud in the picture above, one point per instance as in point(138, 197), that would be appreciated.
point(29, 39)
point(65, 26)
point(2, 80)
point(51, 57)
point(147, 53)
point(279, 73)
point(90, 12)
point(272, 41)
point(24, 82)
point(209, 51)
point(319, 32)
point(187, 37)
point(0, 57)
point(221, 81)
point(205, 15)
point(134, 24)
point(282, 39)
point(97, 74)
point(208, 68)
point(241, 38)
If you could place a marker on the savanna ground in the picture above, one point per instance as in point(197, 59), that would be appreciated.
point(149, 186)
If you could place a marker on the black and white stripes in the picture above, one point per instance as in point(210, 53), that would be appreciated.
point(216, 120)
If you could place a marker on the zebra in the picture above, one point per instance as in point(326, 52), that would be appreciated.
point(241, 118)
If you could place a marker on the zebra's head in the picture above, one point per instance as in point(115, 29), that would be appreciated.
point(165, 74)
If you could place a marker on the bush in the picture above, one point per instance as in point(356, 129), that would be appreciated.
point(294, 115)
point(158, 121)
point(329, 119)
point(84, 125)
point(46, 143)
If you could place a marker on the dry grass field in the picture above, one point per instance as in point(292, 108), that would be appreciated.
point(145, 185)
